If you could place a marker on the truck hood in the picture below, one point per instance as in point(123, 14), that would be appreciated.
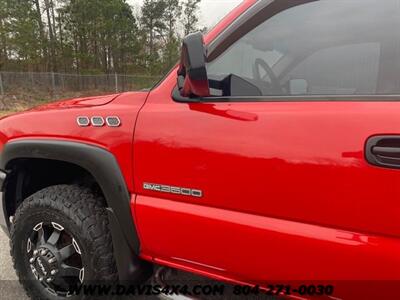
point(59, 120)
point(77, 103)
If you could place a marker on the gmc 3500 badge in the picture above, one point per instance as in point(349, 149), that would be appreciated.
point(172, 190)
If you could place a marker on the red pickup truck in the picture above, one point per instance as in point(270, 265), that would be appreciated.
point(270, 153)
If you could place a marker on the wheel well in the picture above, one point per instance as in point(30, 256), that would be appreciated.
point(28, 176)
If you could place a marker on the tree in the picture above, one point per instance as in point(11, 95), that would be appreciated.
point(49, 7)
point(124, 39)
point(190, 16)
point(42, 37)
point(153, 27)
point(4, 16)
point(23, 33)
point(172, 13)
point(101, 34)
point(93, 36)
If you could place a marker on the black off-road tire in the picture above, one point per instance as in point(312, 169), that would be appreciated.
point(83, 214)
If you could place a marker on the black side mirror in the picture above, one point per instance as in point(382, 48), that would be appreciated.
point(192, 73)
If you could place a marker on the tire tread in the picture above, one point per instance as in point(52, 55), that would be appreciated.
point(87, 211)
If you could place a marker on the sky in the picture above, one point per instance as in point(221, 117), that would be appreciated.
point(211, 11)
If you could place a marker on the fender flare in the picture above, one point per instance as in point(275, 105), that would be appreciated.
point(100, 163)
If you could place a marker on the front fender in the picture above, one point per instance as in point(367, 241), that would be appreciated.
point(97, 161)
point(103, 166)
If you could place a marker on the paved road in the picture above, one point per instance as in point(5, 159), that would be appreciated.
point(11, 289)
point(9, 285)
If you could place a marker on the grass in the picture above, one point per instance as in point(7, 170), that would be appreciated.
point(23, 100)
point(19, 98)
point(4, 113)
point(17, 106)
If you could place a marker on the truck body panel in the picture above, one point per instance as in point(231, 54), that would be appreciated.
point(296, 166)
point(59, 121)
point(249, 190)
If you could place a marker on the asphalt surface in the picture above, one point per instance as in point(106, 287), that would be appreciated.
point(9, 285)
point(10, 288)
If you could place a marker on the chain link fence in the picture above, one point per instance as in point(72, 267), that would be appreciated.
point(57, 83)
point(20, 91)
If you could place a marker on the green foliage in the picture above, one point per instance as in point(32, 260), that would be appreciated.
point(93, 36)
point(4, 32)
point(22, 31)
point(190, 19)
point(153, 28)
point(172, 14)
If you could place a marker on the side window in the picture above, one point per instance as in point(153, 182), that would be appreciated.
point(343, 70)
point(326, 47)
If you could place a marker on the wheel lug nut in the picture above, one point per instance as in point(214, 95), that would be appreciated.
point(35, 252)
point(49, 280)
point(43, 252)
point(32, 260)
point(53, 272)
point(52, 260)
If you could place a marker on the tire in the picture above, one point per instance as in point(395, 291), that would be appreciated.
point(81, 217)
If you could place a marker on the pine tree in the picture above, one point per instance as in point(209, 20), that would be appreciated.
point(172, 14)
point(153, 27)
point(190, 16)
point(4, 17)
point(23, 34)
point(93, 36)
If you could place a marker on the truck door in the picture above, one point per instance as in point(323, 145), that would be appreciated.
point(274, 182)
